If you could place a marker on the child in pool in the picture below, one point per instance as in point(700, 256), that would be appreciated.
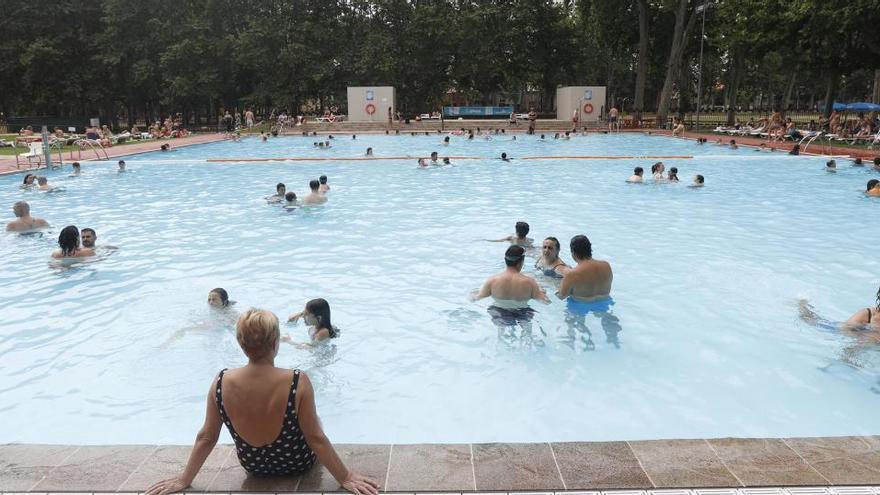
point(316, 314)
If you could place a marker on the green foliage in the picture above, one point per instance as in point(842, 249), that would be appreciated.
point(111, 57)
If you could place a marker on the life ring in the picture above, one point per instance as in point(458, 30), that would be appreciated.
point(370, 109)
point(588, 108)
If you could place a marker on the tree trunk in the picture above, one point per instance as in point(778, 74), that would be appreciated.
point(642, 67)
point(876, 97)
point(679, 41)
point(736, 66)
point(831, 93)
point(786, 102)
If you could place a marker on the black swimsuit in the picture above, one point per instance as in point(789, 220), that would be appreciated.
point(288, 454)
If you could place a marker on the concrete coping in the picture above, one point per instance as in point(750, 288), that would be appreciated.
point(712, 467)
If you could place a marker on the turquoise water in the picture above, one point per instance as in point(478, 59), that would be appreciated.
point(123, 349)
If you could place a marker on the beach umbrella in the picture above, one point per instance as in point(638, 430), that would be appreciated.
point(863, 107)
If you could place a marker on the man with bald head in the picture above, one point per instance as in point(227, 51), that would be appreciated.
point(24, 221)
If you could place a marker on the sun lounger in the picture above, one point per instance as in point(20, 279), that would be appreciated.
point(34, 154)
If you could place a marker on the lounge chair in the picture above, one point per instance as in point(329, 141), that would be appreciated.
point(34, 153)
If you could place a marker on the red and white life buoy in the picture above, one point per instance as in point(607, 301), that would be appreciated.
point(588, 108)
point(370, 109)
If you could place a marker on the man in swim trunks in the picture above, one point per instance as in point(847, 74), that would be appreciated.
point(24, 221)
point(511, 291)
point(518, 239)
point(314, 197)
point(549, 262)
point(590, 280)
point(612, 118)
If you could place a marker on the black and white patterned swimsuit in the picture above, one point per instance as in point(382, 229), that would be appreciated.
point(288, 454)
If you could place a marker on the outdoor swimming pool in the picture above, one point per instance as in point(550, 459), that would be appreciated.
point(123, 349)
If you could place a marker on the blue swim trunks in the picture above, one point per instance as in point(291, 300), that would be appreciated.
point(584, 308)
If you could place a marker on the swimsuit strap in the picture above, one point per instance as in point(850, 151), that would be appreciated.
point(869, 314)
point(218, 396)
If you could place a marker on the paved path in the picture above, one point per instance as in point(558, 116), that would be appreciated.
point(7, 164)
point(818, 147)
point(498, 467)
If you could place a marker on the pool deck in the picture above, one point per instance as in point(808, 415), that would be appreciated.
point(634, 466)
point(7, 163)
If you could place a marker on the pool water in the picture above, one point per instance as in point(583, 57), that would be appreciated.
point(704, 341)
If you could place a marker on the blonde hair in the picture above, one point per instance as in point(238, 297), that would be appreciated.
point(257, 333)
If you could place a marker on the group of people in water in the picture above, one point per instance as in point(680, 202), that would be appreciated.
point(657, 170)
point(270, 411)
point(318, 189)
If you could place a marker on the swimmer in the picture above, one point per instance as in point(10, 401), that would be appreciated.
point(590, 280)
point(657, 170)
point(446, 161)
point(699, 181)
point(219, 298)
point(369, 152)
point(28, 181)
point(327, 143)
point(445, 141)
point(316, 315)
point(23, 220)
point(76, 170)
point(795, 150)
point(518, 239)
point(638, 176)
point(549, 262)
point(831, 166)
point(512, 292)
point(673, 175)
point(504, 157)
point(323, 188)
point(89, 237)
point(121, 168)
point(718, 142)
point(873, 188)
point(423, 163)
point(858, 162)
point(43, 184)
point(164, 147)
point(354, 136)
point(868, 318)
point(68, 241)
point(280, 191)
point(290, 201)
point(264, 137)
point(877, 163)
point(434, 158)
point(314, 197)
point(733, 145)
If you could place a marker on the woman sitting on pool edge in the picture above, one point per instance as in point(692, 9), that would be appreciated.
point(261, 399)
point(316, 314)
point(68, 241)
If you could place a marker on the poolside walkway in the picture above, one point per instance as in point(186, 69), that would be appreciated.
point(818, 147)
point(725, 465)
point(7, 164)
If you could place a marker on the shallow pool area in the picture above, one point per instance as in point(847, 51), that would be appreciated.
point(704, 339)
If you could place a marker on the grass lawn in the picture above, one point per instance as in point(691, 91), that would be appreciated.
point(22, 148)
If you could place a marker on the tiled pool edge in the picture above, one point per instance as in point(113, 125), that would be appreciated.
point(635, 466)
